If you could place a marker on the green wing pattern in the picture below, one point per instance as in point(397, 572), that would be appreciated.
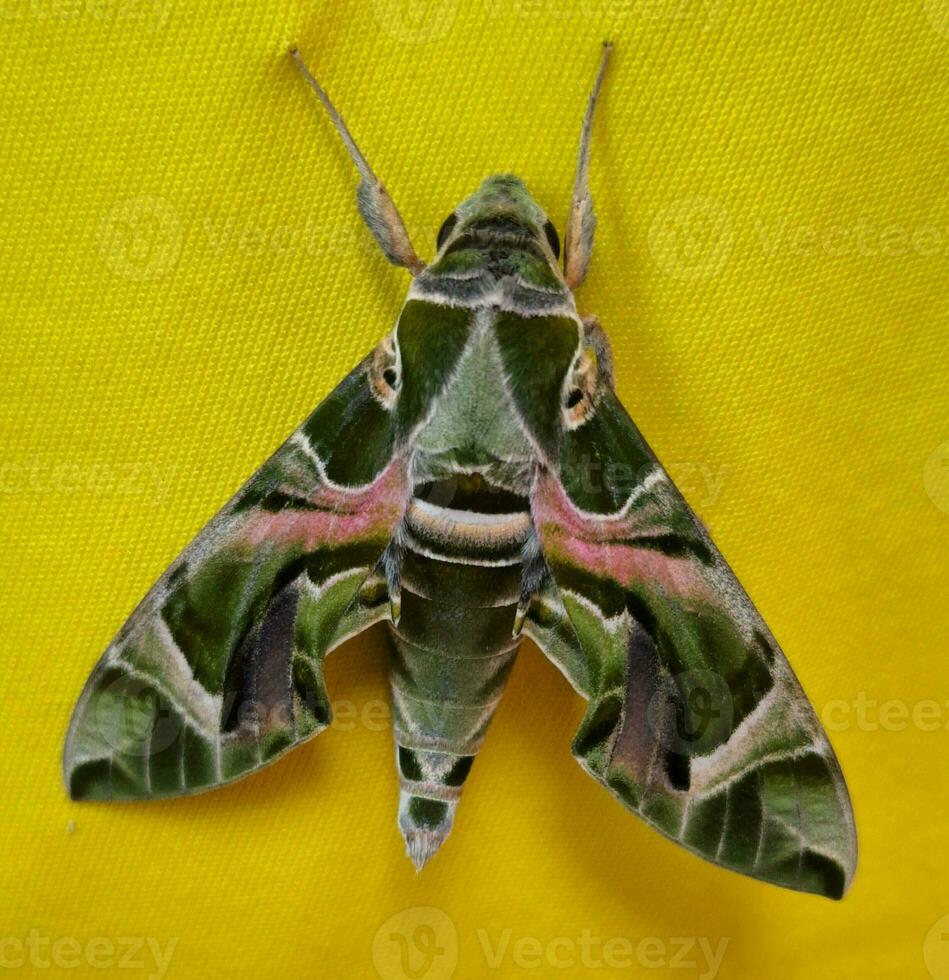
point(220, 668)
point(696, 721)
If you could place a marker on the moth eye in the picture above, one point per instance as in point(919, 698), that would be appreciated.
point(447, 225)
point(384, 377)
point(579, 403)
point(553, 238)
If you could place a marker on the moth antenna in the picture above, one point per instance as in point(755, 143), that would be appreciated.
point(581, 224)
point(375, 205)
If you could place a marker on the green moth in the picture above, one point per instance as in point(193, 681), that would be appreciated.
point(473, 481)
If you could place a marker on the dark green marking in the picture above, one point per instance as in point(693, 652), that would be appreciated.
point(605, 459)
point(427, 813)
point(536, 353)
point(202, 612)
point(431, 338)
point(352, 433)
point(459, 771)
point(409, 764)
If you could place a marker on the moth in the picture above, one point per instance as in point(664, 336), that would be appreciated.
point(475, 481)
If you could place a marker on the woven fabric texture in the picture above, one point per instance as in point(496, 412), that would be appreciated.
point(184, 276)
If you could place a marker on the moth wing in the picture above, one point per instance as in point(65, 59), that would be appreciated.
point(220, 668)
point(695, 721)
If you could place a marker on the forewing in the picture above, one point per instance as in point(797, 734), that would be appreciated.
point(220, 668)
point(696, 721)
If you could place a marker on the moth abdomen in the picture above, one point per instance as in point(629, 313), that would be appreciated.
point(442, 706)
point(453, 647)
point(470, 537)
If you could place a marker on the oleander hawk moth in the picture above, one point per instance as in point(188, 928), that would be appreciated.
point(473, 481)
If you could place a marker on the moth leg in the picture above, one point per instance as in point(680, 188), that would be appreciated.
point(595, 337)
point(581, 224)
point(533, 578)
point(376, 207)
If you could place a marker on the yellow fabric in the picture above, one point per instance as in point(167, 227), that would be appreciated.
point(185, 276)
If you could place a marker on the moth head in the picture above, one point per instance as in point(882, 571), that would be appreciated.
point(500, 210)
